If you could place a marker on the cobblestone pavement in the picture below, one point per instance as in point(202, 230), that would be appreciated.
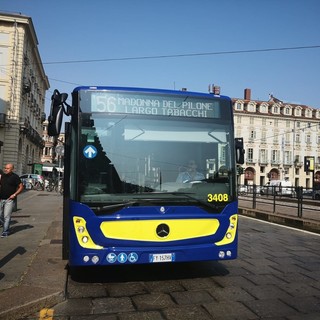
point(276, 276)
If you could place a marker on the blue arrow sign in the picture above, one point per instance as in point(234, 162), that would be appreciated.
point(90, 151)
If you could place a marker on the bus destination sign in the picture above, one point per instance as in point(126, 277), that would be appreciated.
point(150, 104)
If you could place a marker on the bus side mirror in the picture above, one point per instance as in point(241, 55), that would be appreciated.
point(239, 150)
point(56, 113)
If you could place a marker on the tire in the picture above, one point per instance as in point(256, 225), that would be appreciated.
point(38, 186)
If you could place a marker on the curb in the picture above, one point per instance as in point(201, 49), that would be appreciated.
point(295, 222)
point(32, 307)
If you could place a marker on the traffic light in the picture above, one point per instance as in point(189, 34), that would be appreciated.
point(308, 164)
point(239, 170)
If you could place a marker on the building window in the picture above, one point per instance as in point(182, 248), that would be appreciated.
point(275, 156)
point(297, 140)
point(250, 155)
point(308, 138)
point(251, 107)
point(263, 156)
point(223, 154)
point(238, 106)
point(287, 157)
point(252, 135)
point(287, 139)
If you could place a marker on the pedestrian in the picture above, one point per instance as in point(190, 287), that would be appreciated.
point(10, 187)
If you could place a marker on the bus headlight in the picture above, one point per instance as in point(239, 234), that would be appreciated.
point(229, 235)
point(83, 235)
point(81, 229)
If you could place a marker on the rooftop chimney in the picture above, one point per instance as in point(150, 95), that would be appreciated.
point(247, 94)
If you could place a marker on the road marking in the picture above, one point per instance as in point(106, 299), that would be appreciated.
point(46, 314)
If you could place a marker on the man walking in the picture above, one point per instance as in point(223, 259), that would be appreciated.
point(10, 187)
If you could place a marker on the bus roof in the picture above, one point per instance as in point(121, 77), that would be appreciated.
point(150, 90)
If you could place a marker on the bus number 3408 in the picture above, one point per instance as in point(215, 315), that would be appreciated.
point(218, 197)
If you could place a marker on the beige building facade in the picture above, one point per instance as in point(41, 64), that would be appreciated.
point(49, 153)
point(23, 84)
point(277, 137)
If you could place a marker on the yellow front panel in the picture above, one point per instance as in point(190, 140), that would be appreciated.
point(145, 230)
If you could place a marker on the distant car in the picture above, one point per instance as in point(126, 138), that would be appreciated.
point(278, 187)
point(242, 190)
point(248, 189)
point(29, 180)
point(316, 195)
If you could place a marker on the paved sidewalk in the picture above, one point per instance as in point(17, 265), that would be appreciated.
point(32, 274)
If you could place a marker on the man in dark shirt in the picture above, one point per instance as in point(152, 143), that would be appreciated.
point(10, 187)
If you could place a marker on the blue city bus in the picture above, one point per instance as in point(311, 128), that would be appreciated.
point(150, 176)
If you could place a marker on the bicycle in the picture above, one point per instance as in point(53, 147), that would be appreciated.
point(55, 185)
point(38, 185)
point(51, 185)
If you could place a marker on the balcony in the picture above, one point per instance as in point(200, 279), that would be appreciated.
point(263, 162)
point(275, 162)
point(251, 161)
point(288, 163)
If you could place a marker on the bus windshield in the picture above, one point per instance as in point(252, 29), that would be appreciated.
point(135, 159)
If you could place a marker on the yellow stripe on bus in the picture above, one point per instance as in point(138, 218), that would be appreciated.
point(145, 230)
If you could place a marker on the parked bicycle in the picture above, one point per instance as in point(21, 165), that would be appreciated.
point(55, 185)
point(38, 185)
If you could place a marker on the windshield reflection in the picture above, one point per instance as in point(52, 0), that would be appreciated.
point(149, 158)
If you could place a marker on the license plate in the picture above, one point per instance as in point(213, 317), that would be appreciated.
point(162, 257)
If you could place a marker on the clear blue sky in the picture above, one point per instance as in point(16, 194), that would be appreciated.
point(79, 30)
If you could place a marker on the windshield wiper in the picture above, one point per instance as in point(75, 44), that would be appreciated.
point(155, 201)
point(111, 207)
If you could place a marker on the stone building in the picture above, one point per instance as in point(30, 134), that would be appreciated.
point(277, 137)
point(23, 84)
point(50, 154)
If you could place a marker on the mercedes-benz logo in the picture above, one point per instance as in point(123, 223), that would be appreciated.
point(163, 230)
